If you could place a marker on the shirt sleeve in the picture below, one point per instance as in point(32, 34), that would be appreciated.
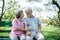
point(25, 21)
point(39, 22)
point(15, 24)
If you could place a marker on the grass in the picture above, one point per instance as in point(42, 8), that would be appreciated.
point(50, 33)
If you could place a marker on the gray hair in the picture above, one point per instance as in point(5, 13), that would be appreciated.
point(29, 9)
point(18, 14)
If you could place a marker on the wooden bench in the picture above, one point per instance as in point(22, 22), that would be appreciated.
point(6, 37)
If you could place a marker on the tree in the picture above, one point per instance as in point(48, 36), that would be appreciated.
point(34, 0)
point(54, 2)
point(4, 9)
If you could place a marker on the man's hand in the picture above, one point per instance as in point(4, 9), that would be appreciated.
point(25, 29)
point(28, 33)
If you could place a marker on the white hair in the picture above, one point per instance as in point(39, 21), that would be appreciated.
point(28, 8)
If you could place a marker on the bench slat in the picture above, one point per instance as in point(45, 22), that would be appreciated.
point(5, 31)
point(4, 36)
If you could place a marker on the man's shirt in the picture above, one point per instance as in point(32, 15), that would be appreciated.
point(32, 23)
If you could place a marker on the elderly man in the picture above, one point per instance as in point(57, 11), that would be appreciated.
point(33, 24)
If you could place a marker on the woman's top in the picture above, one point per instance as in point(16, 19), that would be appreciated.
point(17, 24)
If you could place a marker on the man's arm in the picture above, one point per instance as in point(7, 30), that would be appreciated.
point(39, 25)
point(39, 28)
point(25, 21)
point(26, 28)
point(21, 29)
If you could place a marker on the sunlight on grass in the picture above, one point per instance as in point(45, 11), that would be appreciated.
point(50, 33)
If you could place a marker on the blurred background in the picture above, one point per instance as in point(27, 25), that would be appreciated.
point(48, 11)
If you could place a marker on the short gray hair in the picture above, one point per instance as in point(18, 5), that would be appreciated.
point(29, 9)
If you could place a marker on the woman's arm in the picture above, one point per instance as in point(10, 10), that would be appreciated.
point(21, 29)
point(25, 27)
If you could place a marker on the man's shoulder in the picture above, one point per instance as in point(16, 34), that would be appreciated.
point(36, 18)
point(25, 18)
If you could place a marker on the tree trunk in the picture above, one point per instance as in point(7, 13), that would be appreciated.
point(59, 17)
point(54, 2)
point(2, 12)
point(0, 21)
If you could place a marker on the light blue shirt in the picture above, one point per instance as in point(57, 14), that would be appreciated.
point(32, 23)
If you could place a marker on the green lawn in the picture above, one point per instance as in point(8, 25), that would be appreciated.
point(50, 33)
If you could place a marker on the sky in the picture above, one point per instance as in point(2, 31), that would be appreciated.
point(40, 5)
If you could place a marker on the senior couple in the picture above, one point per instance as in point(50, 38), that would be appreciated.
point(26, 28)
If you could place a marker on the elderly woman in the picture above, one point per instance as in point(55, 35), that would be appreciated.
point(18, 28)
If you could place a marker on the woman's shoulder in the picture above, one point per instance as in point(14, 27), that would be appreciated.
point(14, 20)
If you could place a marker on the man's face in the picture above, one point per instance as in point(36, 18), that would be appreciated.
point(28, 12)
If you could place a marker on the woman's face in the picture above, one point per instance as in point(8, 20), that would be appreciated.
point(22, 15)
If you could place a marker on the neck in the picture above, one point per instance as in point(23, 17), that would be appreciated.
point(30, 16)
point(20, 18)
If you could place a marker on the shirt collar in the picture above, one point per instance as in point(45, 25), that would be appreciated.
point(30, 17)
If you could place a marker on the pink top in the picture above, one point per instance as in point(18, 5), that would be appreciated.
point(17, 24)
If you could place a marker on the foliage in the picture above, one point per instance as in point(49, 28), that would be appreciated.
point(50, 21)
point(9, 7)
point(34, 0)
point(53, 21)
point(9, 16)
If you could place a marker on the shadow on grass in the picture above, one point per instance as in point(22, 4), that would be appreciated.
point(6, 23)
